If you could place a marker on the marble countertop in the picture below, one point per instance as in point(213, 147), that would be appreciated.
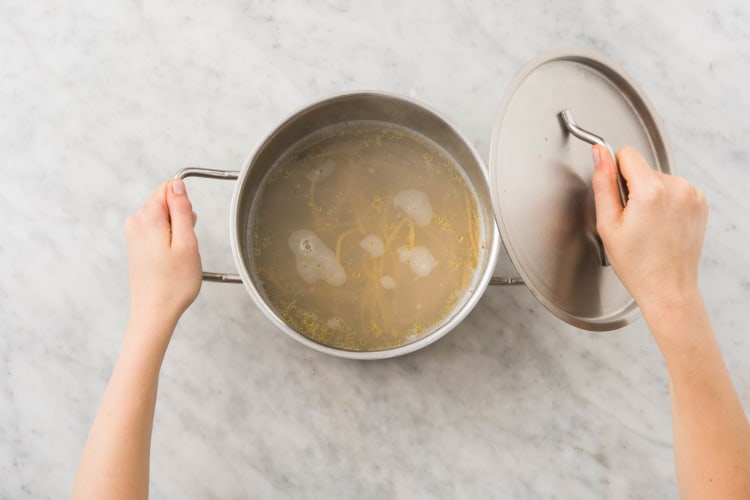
point(99, 101)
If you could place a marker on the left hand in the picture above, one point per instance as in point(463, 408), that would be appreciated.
point(163, 259)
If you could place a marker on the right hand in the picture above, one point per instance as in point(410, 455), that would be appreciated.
point(654, 243)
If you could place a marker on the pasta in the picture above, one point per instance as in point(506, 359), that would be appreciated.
point(365, 237)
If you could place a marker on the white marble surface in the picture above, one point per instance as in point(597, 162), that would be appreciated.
point(99, 101)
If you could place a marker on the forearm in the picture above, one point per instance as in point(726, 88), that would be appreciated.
point(711, 431)
point(115, 460)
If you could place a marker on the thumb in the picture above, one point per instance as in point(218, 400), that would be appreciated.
point(606, 194)
point(180, 214)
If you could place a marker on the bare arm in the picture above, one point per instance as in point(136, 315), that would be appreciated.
point(165, 276)
point(654, 245)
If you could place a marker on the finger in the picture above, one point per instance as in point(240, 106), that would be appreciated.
point(606, 193)
point(154, 213)
point(159, 198)
point(160, 193)
point(634, 168)
point(181, 214)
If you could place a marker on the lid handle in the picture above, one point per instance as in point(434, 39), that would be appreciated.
point(567, 118)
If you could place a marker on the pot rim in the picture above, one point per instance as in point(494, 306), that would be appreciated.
point(470, 299)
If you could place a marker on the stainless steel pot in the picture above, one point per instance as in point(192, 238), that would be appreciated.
point(379, 106)
point(539, 187)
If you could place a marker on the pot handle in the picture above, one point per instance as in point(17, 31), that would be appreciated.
point(212, 174)
point(508, 277)
point(498, 280)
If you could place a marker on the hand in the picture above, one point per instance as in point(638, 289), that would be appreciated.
point(163, 260)
point(654, 244)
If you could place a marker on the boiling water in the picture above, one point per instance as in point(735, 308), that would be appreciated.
point(366, 235)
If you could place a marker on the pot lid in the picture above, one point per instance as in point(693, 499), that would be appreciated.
point(540, 178)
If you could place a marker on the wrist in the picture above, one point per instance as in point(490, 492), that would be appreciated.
point(154, 311)
point(152, 323)
point(669, 304)
point(680, 325)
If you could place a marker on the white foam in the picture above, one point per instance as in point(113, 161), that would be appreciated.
point(415, 204)
point(420, 260)
point(333, 323)
point(322, 171)
point(373, 245)
point(388, 282)
point(315, 261)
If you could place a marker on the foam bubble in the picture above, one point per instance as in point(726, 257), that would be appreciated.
point(321, 171)
point(333, 323)
point(315, 261)
point(420, 260)
point(415, 204)
point(305, 246)
point(373, 245)
point(388, 282)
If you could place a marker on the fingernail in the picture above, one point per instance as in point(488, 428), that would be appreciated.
point(596, 155)
point(178, 186)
